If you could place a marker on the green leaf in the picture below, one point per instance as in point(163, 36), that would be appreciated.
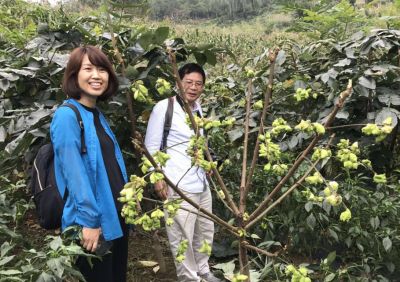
point(161, 34)
point(387, 244)
point(201, 58)
point(331, 258)
point(227, 267)
point(367, 82)
point(333, 234)
point(311, 221)
point(5, 247)
point(255, 236)
point(330, 277)
point(45, 277)
point(56, 265)
point(56, 243)
point(10, 272)
point(308, 206)
point(211, 58)
point(360, 247)
point(375, 222)
point(6, 260)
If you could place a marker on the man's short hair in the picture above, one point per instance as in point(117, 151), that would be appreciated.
point(70, 84)
point(192, 67)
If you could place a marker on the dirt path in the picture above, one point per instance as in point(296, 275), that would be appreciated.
point(143, 262)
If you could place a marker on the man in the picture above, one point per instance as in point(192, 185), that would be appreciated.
point(191, 180)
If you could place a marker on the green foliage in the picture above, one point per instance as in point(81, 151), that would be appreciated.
point(200, 9)
point(20, 258)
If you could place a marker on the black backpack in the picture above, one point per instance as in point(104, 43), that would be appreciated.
point(48, 201)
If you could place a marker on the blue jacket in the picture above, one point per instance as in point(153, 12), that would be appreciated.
point(90, 202)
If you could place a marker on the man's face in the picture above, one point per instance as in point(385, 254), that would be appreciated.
point(193, 86)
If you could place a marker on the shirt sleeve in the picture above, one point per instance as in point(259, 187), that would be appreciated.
point(66, 139)
point(155, 127)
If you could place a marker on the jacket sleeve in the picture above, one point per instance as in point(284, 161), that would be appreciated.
point(66, 139)
point(155, 128)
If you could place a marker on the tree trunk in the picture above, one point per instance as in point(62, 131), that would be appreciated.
point(244, 260)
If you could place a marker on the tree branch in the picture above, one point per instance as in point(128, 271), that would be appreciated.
point(242, 204)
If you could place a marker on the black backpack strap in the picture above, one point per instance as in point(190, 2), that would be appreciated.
point(167, 122)
point(80, 122)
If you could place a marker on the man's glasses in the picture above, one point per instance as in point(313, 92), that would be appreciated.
point(197, 84)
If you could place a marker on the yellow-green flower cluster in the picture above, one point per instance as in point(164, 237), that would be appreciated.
point(250, 73)
point(331, 195)
point(278, 169)
point(208, 124)
point(131, 194)
point(222, 91)
point(347, 154)
point(303, 94)
point(259, 105)
point(320, 154)
point(346, 215)
point(268, 149)
point(205, 248)
point(298, 275)
point(160, 158)
point(229, 122)
point(140, 92)
point(163, 87)
point(315, 179)
point(196, 151)
point(379, 131)
point(311, 197)
point(239, 277)
point(307, 126)
point(152, 222)
point(380, 178)
point(180, 253)
point(280, 125)
point(171, 207)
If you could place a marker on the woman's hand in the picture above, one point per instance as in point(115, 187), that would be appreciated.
point(161, 189)
point(90, 238)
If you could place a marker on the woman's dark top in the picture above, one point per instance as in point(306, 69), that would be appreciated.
point(110, 162)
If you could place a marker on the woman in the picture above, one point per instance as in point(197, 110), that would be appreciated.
point(95, 178)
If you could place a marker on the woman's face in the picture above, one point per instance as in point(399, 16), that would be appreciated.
point(93, 80)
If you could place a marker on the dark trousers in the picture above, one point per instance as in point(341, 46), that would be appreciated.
point(112, 267)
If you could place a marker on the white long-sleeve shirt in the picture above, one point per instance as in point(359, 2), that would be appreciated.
point(179, 167)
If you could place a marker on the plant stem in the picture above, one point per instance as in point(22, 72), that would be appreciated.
point(242, 204)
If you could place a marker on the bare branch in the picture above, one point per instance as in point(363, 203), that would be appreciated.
point(242, 204)
point(246, 245)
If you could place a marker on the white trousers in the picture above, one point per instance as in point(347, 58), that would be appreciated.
point(194, 228)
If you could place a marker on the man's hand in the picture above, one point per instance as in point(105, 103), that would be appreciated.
point(90, 238)
point(161, 189)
